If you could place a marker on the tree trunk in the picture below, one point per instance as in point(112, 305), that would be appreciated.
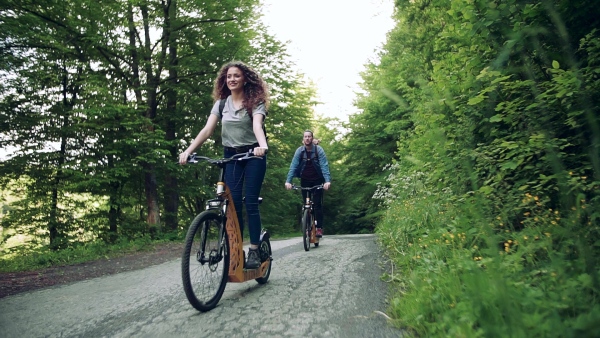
point(150, 184)
point(153, 216)
point(171, 195)
point(53, 223)
point(114, 204)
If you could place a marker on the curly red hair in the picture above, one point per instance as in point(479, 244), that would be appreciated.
point(256, 90)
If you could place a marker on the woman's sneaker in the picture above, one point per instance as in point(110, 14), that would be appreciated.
point(253, 261)
point(319, 232)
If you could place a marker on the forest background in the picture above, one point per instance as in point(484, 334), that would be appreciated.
point(475, 157)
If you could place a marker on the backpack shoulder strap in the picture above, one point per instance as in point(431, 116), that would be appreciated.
point(222, 106)
point(305, 155)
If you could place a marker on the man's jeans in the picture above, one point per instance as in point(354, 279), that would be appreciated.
point(250, 173)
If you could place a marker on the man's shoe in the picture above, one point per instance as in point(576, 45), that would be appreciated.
point(253, 261)
point(319, 232)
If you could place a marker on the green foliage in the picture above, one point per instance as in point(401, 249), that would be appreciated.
point(492, 199)
point(461, 272)
point(24, 259)
point(95, 104)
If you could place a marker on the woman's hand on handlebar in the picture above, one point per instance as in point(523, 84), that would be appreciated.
point(326, 185)
point(183, 157)
point(288, 186)
point(260, 151)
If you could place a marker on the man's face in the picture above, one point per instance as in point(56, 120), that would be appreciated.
point(308, 138)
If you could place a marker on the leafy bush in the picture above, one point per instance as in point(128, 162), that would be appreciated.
point(462, 273)
point(493, 218)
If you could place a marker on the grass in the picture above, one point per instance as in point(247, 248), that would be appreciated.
point(466, 272)
point(43, 257)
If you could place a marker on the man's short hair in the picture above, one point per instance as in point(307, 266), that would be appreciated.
point(309, 131)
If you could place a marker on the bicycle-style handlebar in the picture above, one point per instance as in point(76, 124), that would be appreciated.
point(316, 187)
point(194, 158)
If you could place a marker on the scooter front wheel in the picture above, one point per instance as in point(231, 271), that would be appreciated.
point(205, 261)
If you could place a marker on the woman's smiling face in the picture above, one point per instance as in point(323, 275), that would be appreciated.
point(235, 79)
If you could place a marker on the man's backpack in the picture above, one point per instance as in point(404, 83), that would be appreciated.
point(305, 154)
point(304, 157)
point(222, 106)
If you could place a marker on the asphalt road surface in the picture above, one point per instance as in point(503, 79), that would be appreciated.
point(331, 291)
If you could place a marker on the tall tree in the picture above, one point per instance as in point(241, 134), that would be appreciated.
point(135, 78)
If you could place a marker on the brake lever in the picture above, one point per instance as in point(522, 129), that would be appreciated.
point(248, 155)
point(192, 158)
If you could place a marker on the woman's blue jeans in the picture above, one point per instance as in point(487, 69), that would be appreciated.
point(247, 177)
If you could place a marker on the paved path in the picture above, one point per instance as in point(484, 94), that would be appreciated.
point(330, 291)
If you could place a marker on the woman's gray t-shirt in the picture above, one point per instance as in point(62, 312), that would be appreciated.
point(236, 126)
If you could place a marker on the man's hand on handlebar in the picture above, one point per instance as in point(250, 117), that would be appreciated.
point(325, 186)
